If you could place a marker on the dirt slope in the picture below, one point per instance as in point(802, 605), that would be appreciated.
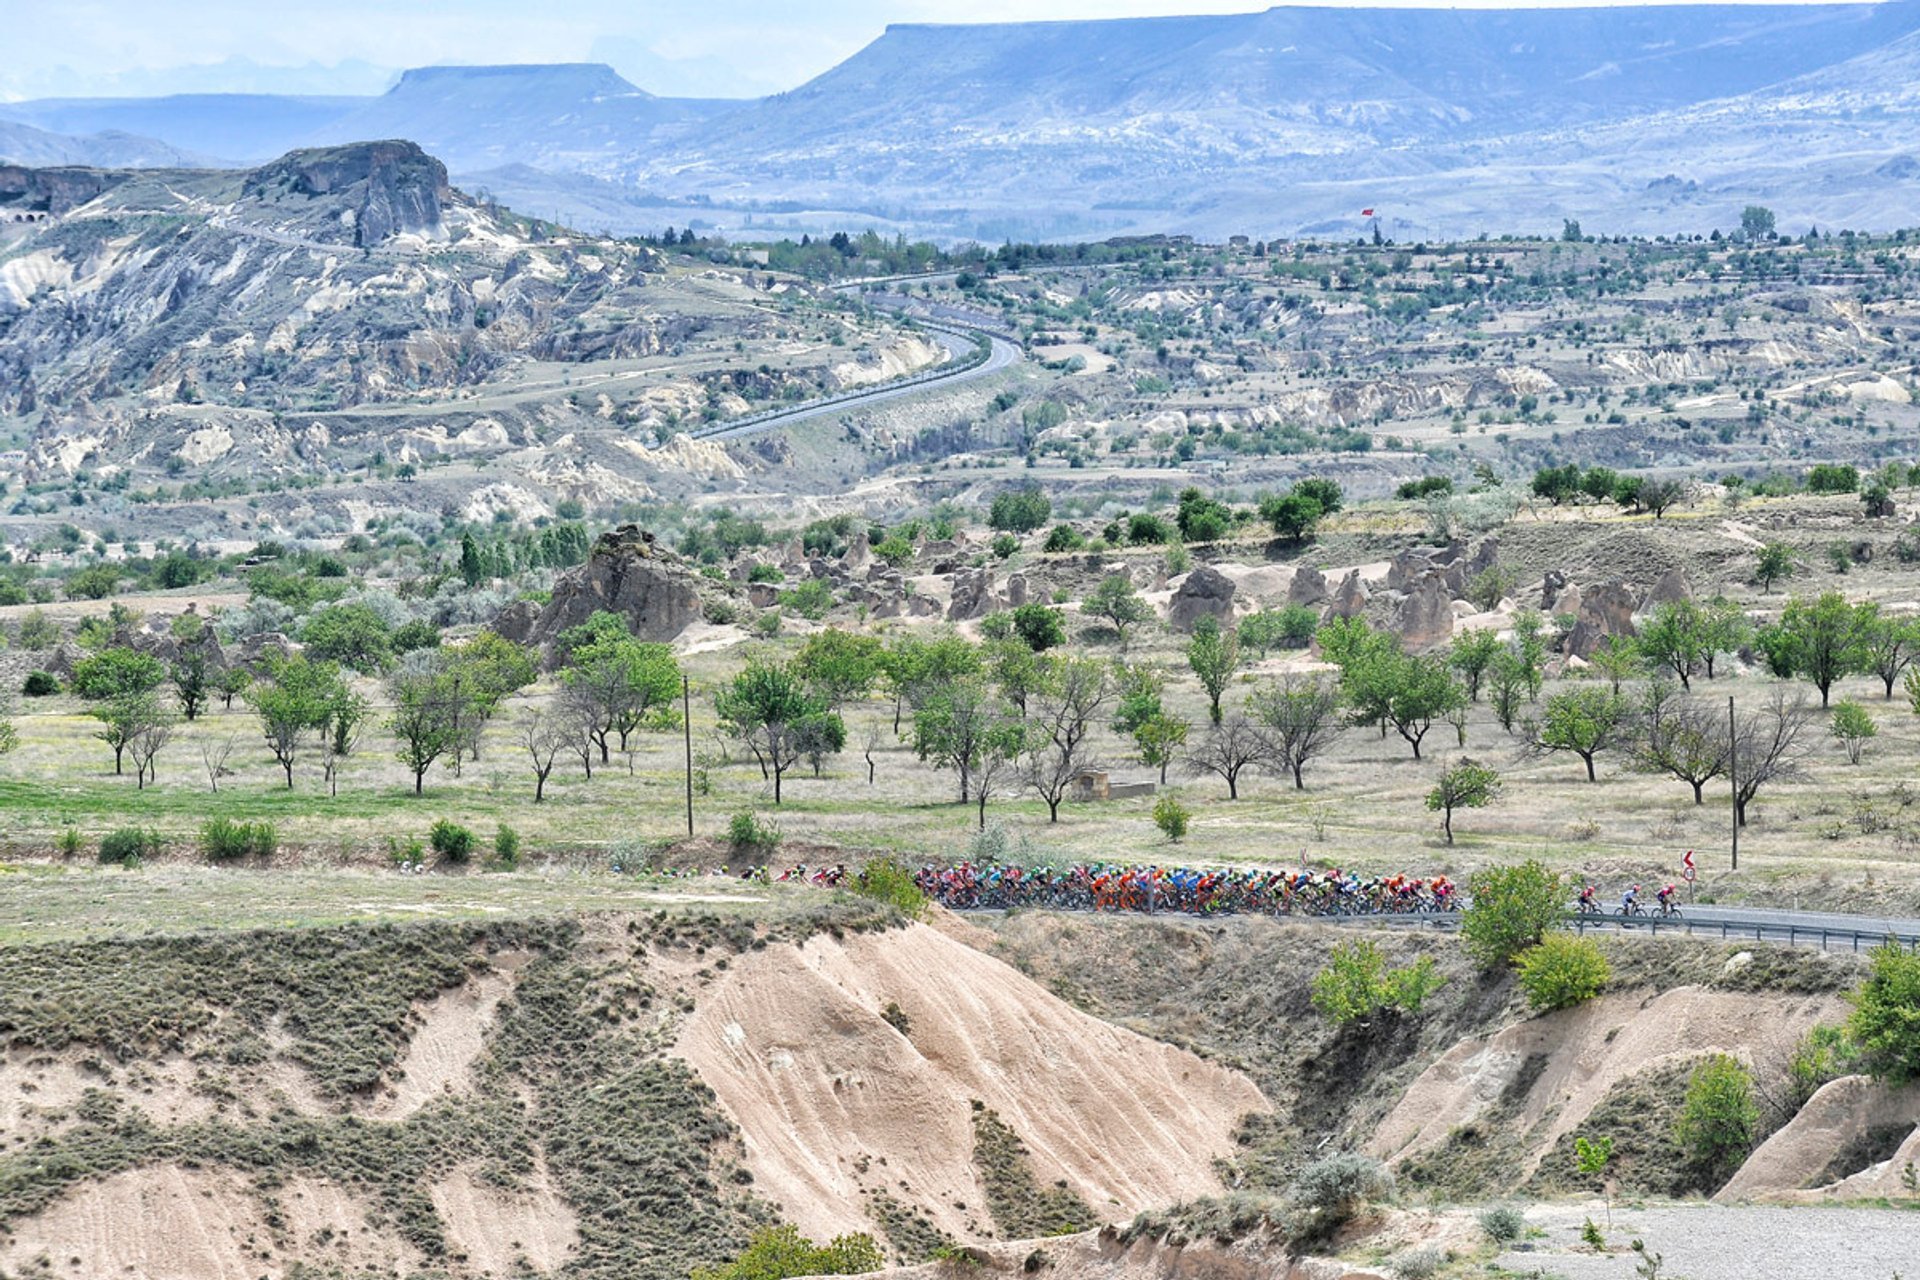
point(834, 1103)
point(1577, 1055)
point(1838, 1119)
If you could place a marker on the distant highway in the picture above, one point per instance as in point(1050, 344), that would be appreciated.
point(960, 330)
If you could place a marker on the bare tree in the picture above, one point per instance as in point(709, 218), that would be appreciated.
point(147, 743)
point(545, 737)
point(213, 755)
point(336, 746)
point(579, 715)
point(1767, 748)
point(1062, 714)
point(1680, 737)
point(1300, 719)
point(1229, 750)
point(870, 743)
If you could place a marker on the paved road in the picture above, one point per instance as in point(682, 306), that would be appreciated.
point(1815, 928)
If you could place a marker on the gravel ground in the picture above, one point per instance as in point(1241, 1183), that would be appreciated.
point(1710, 1242)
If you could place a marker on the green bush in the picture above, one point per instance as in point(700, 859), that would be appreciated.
point(451, 841)
point(810, 599)
point(888, 880)
point(775, 1253)
point(1503, 1223)
point(1885, 1022)
point(1562, 970)
point(1334, 1188)
point(506, 847)
point(1004, 546)
point(224, 840)
point(129, 846)
point(1718, 1119)
point(746, 833)
point(1064, 537)
point(69, 843)
point(1513, 908)
point(1357, 983)
point(1171, 817)
point(40, 684)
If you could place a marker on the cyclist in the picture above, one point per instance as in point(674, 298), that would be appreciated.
point(1629, 901)
point(1589, 902)
point(1666, 900)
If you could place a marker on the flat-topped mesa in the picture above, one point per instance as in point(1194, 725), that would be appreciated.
point(384, 189)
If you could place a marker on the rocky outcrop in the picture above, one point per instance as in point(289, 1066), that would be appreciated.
point(1425, 617)
point(1606, 610)
point(391, 187)
point(1309, 586)
point(973, 595)
point(1350, 599)
point(1206, 593)
point(1671, 589)
point(628, 573)
point(53, 191)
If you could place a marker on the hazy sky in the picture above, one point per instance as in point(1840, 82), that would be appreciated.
point(717, 47)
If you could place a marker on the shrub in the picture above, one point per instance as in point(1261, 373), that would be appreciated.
point(1171, 817)
point(1822, 1056)
point(888, 880)
point(1503, 1223)
point(1562, 970)
point(40, 684)
point(1040, 627)
point(69, 843)
point(224, 840)
point(1514, 907)
point(1357, 983)
point(1020, 510)
point(747, 833)
point(775, 1253)
point(506, 846)
point(1005, 545)
point(129, 846)
point(1418, 1264)
point(1885, 1022)
point(1718, 1118)
point(1333, 1189)
point(450, 841)
point(1064, 537)
point(409, 852)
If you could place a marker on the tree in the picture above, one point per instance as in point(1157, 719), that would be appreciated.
point(1823, 641)
point(1062, 718)
point(148, 739)
point(297, 698)
point(765, 706)
point(1290, 625)
point(1756, 222)
point(1419, 691)
point(1888, 645)
point(1229, 750)
point(1509, 685)
point(1562, 970)
point(1675, 639)
point(1356, 984)
point(1159, 739)
point(1323, 491)
point(1592, 1155)
point(1513, 907)
point(1202, 519)
point(1726, 630)
point(489, 668)
point(1658, 495)
point(190, 681)
point(1462, 785)
point(1617, 658)
point(1020, 510)
point(1717, 1120)
point(1767, 748)
point(125, 717)
point(780, 1252)
point(1471, 654)
point(625, 682)
point(1885, 1022)
point(214, 754)
point(116, 671)
point(1584, 721)
point(1038, 626)
point(1292, 517)
point(964, 724)
point(839, 666)
point(913, 667)
point(352, 635)
point(1300, 719)
point(427, 705)
point(1685, 739)
point(1853, 726)
point(1775, 561)
point(1117, 601)
point(230, 684)
point(1213, 655)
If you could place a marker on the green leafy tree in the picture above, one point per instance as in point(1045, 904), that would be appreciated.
point(1513, 908)
point(1293, 517)
point(914, 667)
point(840, 666)
point(124, 718)
point(618, 684)
point(1617, 659)
point(1756, 222)
point(1822, 641)
point(1290, 626)
point(1718, 1118)
point(1726, 631)
point(766, 706)
point(1201, 518)
point(1062, 716)
point(352, 635)
point(1020, 510)
point(1418, 692)
point(1852, 726)
point(1885, 1022)
point(1300, 718)
point(1039, 626)
point(1462, 785)
point(425, 722)
point(1685, 739)
point(1585, 721)
point(1118, 602)
point(1158, 739)
point(298, 698)
point(191, 681)
point(1323, 491)
point(1675, 639)
point(1562, 970)
point(117, 671)
point(1471, 654)
point(781, 1252)
point(1774, 562)
point(1591, 1156)
point(1213, 655)
point(1889, 645)
point(963, 725)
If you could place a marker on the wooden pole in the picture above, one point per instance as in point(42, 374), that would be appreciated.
point(686, 724)
point(1733, 777)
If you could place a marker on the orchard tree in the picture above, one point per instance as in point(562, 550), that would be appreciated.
point(767, 706)
point(1300, 719)
point(1852, 725)
point(299, 697)
point(1822, 641)
point(1584, 720)
point(1118, 602)
point(1471, 654)
point(1680, 737)
point(1889, 645)
point(1061, 719)
point(1463, 784)
point(427, 706)
point(915, 667)
point(1774, 561)
point(1214, 655)
point(1020, 510)
point(1768, 747)
point(1228, 751)
point(1675, 639)
point(962, 725)
point(1159, 739)
point(839, 666)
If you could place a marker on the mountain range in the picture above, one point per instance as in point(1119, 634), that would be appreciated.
point(1451, 122)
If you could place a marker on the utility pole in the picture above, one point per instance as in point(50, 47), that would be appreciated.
point(686, 723)
point(1733, 777)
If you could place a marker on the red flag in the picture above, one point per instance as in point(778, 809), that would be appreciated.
point(1366, 213)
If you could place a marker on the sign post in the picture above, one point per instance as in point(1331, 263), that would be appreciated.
point(1687, 871)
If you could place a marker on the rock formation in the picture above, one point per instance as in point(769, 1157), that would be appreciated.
point(628, 573)
point(1206, 593)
